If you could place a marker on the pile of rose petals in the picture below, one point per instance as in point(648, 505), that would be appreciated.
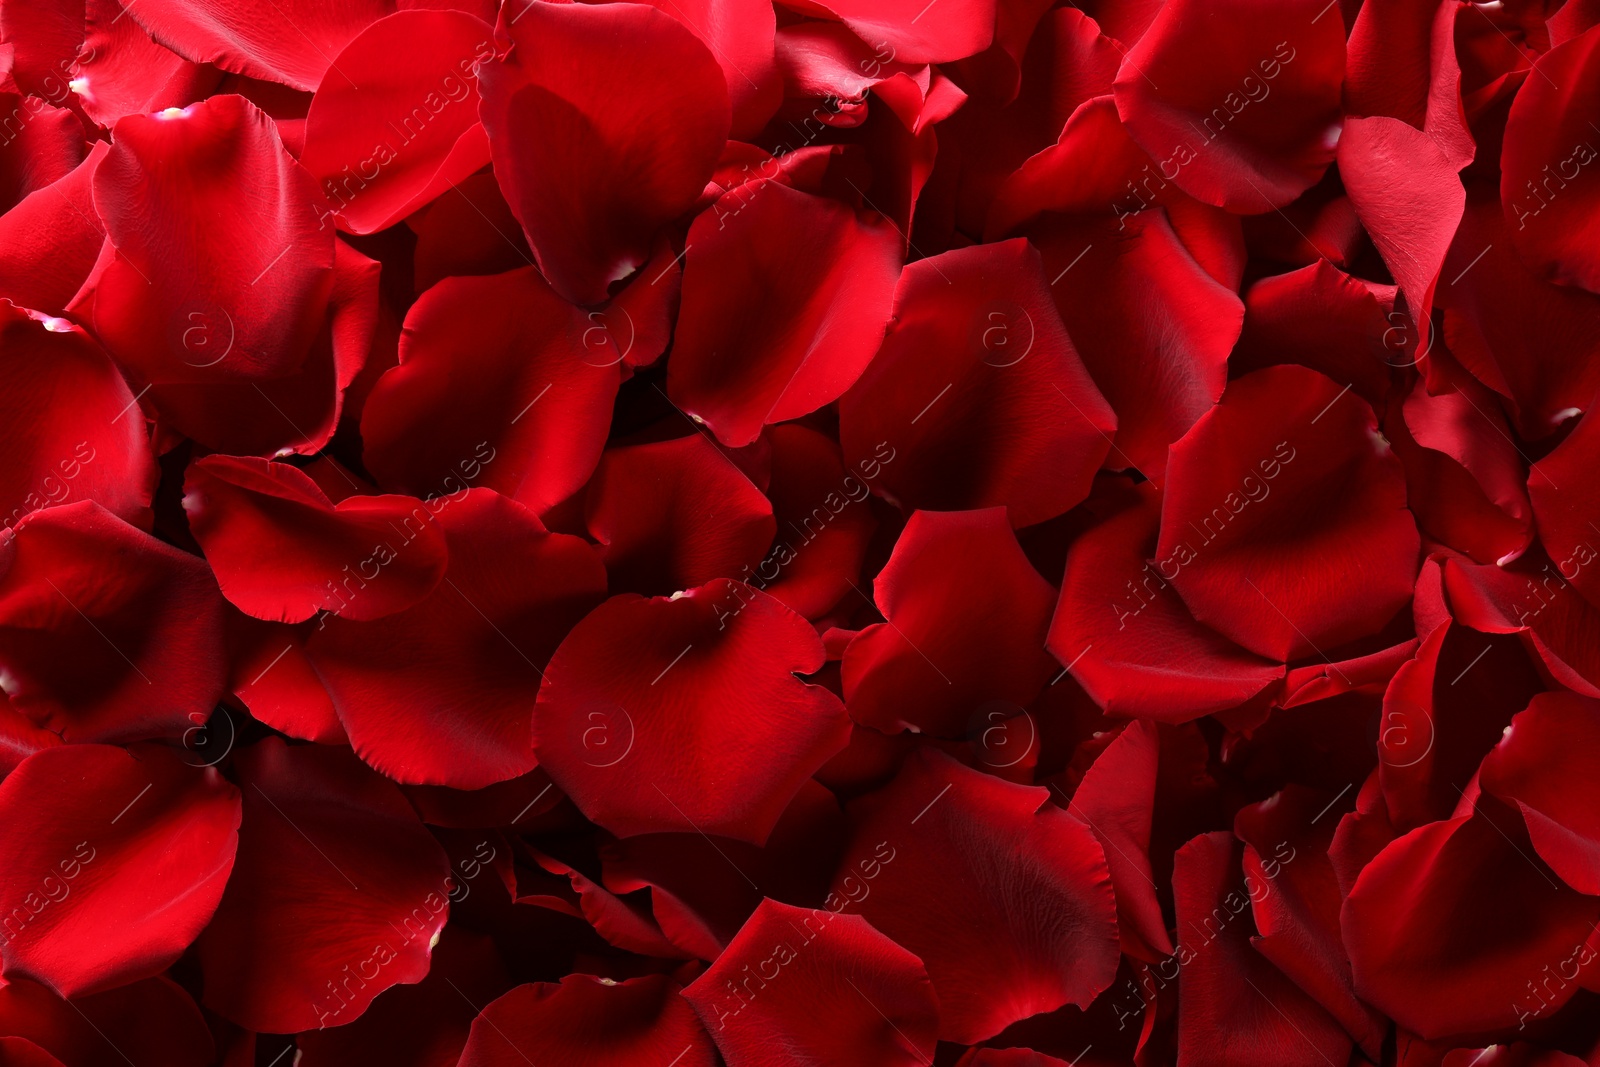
point(845, 533)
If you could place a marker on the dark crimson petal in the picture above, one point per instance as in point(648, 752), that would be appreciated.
point(675, 514)
point(288, 41)
point(501, 384)
point(1545, 764)
point(1235, 1009)
point(605, 121)
point(980, 391)
point(394, 122)
point(741, 34)
point(1129, 640)
point(423, 1025)
point(1561, 488)
point(20, 1052)
point(42, 144)
point(1005, 898)
point(1067, 62)
point(239, 299)
point(50, 241)
point(122, 71)
point(1322, 318)
point(1245, 97)
point(785, 299)
point(1402, 63)
point(282, 551)
point(1528, 340)
point(1287, 838)
point(1448, 925)
point(1407, 195)
point(20, 738)
point(1008, 1057)
point(679, 713)
point(469, 229)
point(274, 679)
point(703, 889)
point(966, 618)
point(824, 520)
point(1285, 522)
point(338, 893)
point(94, 448)
point(589, 1022)
point(1550, 205)
point(789, 968)
point(147, 1023)
point(279, 416)
point(1533, 597)
point(115, 859)
point(441, 693)
point(1466, 483)
point(1153, 327)
point(1443, 712)
point(960, 28)
point(1117, 798)
point(107, 634)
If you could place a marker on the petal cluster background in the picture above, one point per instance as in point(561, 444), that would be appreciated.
point(976, 533)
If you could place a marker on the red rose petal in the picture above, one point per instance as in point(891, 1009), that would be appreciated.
point(1152, 326)
point(966, 617)
point(1550, 141)
point(97, 449)
point(274, 679)
point(501, 384)
point(115, 859)
point(441, 693)
point(1265, 549)
point(672, 713)
point(49, 241)
point(1130, 641)
point(282, 551)
point(1448, 924)
point(1545, 764)
point(785, 297)
point(241, 299)
point(790, 966)
point(288, 41)
point(395, 121)
point(1246, 99)
point(1011, 417)
point(1116, 799)
point(107, 634)
point(589, 1022)
point(959, 28)
point(1007, 900)
point(148, 1022)
point(337, 893)
point(675, 514)
point(1525, 338)
point(605, 122)
point(122, 71)
point(1234, 1007)
point(824, 520)
point(1408, 197)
